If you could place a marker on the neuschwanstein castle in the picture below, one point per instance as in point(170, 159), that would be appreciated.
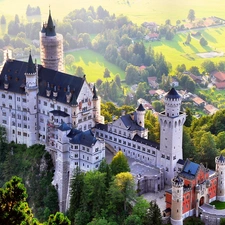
point(41, 104)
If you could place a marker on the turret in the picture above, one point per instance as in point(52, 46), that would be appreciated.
point(220, 169)
point(177, 201)
point(171, 134)
point(51, 46)
point(96, 105)
point(31, 89)
point(140, 115)
point(6, 82)
point(172, 103)
point(68, 95)
point(75, 110)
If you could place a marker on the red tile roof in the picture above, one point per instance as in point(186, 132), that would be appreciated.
point(219, 75)
point(220, 85)
point(198, 100)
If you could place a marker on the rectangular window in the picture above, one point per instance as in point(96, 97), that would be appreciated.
point(3, 96)
point(18, 99)
point(45, 103)
point(24, 100)
point(10, 97)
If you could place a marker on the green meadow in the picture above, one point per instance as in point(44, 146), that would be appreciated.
point(176, 52)
point(94, 65)
point(137, 10)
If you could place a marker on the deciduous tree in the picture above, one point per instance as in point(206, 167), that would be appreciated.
point(119, 163)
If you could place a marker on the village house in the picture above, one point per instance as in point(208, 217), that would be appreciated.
point(210, 109)
point(198, 101)
point(218, 79)
point(152, 81)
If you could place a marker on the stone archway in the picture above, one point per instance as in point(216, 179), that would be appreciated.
point(202, 201)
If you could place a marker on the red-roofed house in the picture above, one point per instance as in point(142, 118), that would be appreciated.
point(152, 81)
point(220, 85)
point(198, 101)
point(152, 37)
point(210, 109)
point(218, 76)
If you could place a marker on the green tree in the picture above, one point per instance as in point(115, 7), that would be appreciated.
point(221, 66)
point(208, 66)
point(140, 208)
point(69, 60)
point(58, 219)
point(195, 70)
point(153, 215)
point(203, 41)
point(13, 206)
point(207, 149)
point(119, 163)
point(188, 39)
point(106, 73)
point(105, 168)
point(220, 140)
point(118, 80)
point(181, 68)
point(191, 15)
point(77, 185)
point(3, 20)
point(93, 194)
point(189, 117)
point(132, 220)
point(79, 71)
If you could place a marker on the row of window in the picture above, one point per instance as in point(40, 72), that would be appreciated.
point(77, 164)
point(17, 99)
point(167, 157)
point(124, 142)
point(52, 105)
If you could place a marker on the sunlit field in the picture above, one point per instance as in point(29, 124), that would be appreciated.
point(94, 65)
point(178, 53)
point(137, 10)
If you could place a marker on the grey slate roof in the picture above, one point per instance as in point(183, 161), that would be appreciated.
point(221, 158)
point(64, 127)
point(140, 108)
point(59, 113)
point(189, 170)
point(130, 123)
point(73, 132)
point(139, 139)
point(50, 29)
point(30, 65)
point(85, 138)
point(15, 71)
point(172, 94)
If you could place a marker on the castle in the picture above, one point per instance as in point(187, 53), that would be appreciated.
point(41, 104)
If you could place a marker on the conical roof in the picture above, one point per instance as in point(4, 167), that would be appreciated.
point(30, 65)
point(172, 94)
point(50, 29)
point(221, 159)
point(141, 108)
point(95, 93)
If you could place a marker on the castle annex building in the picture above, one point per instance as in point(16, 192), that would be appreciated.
point(43, 105)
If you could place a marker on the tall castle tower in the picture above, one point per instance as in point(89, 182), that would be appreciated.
point(51, 46)
point(171, 134)
point(141, 115)
point(177, 201)
point(31, 89)
point(220, 169)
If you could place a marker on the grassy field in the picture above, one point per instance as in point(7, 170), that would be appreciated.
point(137, 10)
point(178, 53)
point(94, 65)
point(218, 204)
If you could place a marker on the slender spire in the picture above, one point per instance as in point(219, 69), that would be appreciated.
point(30, 65)
point(95, 93)
point(50, 29)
